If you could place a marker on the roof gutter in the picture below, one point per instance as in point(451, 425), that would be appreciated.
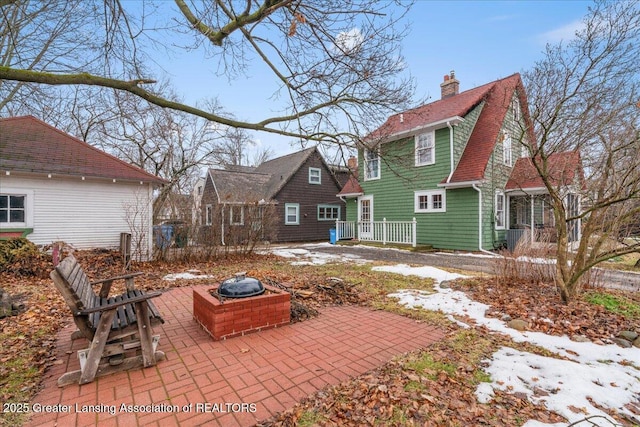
point(454, 120)
point(461, 184)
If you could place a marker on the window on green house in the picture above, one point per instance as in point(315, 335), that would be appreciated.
point(430, 201)
point(500, 211)
point(371, 164)
point(425, 148)
point(506, 149)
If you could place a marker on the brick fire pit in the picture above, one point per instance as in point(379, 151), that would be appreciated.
point(240, 316)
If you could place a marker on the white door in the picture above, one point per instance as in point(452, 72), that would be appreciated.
point(365, 217)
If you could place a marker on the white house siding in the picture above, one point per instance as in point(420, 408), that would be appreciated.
point(88, 213)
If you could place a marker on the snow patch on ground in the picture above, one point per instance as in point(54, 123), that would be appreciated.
point(307, 257)
point(189, 275)
point(600, 373)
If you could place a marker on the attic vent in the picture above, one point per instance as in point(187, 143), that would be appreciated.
point(401, 118)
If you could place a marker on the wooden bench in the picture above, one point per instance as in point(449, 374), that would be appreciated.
point(117, 327)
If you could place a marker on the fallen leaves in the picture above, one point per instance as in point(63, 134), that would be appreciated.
point(539, 304)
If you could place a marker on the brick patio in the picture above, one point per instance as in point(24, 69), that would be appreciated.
point(270, 370)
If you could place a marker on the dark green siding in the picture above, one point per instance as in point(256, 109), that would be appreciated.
point(394, 194)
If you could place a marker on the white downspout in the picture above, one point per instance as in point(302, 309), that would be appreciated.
point(222, 226)
point(475, 187)
point(450, 149)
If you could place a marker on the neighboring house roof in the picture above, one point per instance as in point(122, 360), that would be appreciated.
point(31, 145)
point(237, 185)
point(351, 188)
point(282, 169)
point(562, 168)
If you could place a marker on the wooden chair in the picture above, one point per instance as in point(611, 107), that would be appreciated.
point(117, 327)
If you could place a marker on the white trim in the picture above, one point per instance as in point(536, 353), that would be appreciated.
point(349, 195)
point(453, 120)
point(296, 206)
point(430, 196)
point(461, 184)
point(365, 229)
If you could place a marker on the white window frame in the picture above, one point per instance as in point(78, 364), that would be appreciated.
point(28, 208)
point(315, 176)
point(516, 109)
point(333, 208)
point(368, 176)
point(428, 148)
point(500, 214)
point(232, 208)
point(507, 152)
point(429, 194)
point(295, 206)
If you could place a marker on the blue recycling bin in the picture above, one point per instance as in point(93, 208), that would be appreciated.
point(332, 236)
point(163, 234)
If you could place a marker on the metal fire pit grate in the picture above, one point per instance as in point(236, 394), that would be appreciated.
point(240, 287)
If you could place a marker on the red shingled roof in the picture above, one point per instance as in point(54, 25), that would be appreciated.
point(31, 145)
point(458, 105)
point(562, 169)
point(352, 187)
point(484, 136)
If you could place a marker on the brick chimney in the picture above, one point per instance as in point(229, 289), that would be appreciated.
point(352, 164)
point(450, 86)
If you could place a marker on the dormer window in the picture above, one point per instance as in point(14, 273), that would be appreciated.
point(425, 148)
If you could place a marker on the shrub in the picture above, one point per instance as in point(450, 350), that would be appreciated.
point(21, 257)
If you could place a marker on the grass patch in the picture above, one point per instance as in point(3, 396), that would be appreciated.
point(309, 418)
point(415, 386)
point(16, 374)
point(430, 367)
point(623, 262)
point(615, 304)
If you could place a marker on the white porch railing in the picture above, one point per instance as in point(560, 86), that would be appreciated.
point(400, 232)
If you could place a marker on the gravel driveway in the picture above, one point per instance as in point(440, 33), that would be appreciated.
point(483, 263)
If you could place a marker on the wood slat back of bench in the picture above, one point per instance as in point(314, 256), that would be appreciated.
point(77, 291)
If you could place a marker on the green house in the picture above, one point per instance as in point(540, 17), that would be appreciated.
point(437, 175)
